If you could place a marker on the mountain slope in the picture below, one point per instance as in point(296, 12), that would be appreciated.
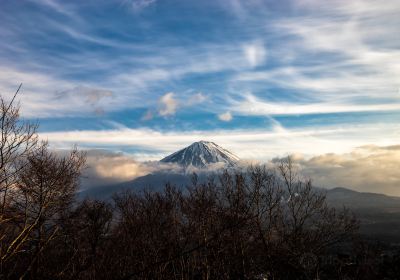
point(151, 182)
point(201, 154)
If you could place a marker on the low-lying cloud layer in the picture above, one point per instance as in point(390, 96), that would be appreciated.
point(366, 169)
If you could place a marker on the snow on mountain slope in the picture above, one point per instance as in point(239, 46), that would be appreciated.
point(200, 154)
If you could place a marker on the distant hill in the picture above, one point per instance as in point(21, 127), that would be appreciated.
point(339, 197)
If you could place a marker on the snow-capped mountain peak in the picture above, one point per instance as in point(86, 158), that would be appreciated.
point(201, 154)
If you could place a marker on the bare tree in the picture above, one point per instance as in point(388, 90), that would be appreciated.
point(18, 141)
point(306, 225)
point(36, 186)
point(46, 189)
point(81, 248)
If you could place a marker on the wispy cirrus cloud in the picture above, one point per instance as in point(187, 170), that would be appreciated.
point(139, 5)
point(94, 97)
point(337, 56)
point(57, 7)
point(337, 52)
point(251, 105)
point(51, 101)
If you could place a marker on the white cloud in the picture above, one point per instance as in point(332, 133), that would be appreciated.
point(168, 104)
point(106, 168)
point(113, 167)
point(255, 53)
point(226, 117)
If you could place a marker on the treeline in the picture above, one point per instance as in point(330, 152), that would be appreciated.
point(260, 224)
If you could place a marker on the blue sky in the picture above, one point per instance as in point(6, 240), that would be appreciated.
point(260, 78)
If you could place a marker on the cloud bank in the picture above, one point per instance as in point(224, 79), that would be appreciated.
point(366, 169)
point(106, 168)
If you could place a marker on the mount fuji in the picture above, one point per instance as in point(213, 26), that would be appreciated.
point(201, 154)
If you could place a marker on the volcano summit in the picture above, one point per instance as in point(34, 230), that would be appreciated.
point(201, 154)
